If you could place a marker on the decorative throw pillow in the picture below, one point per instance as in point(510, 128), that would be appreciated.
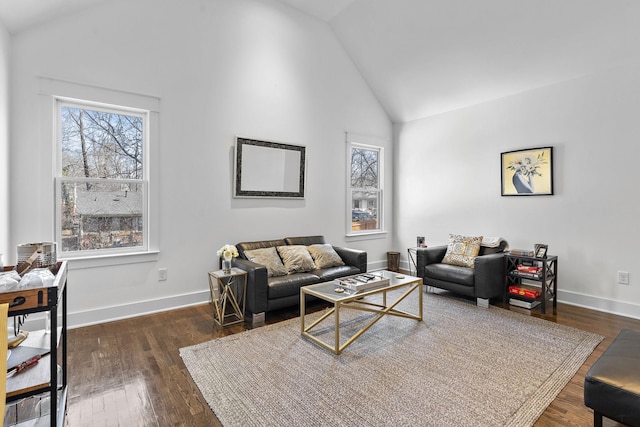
point(462, 250)
point(269, 258)
point(324, 256)
point(296, 258)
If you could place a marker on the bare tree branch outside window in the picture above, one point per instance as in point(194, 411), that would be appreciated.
point(102, 170)
point(364, 168)
point(365, 188)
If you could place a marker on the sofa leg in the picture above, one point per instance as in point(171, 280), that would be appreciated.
point(483, 302)
point(597, 419)
point(256, 319)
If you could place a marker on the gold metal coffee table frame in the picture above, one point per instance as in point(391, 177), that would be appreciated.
point(355, 301)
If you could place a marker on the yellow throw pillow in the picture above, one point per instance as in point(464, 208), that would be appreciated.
point(462, 250)
point(296, 258)
point(324, 256)
point(269, 258)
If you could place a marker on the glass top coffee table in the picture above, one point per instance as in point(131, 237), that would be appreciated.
point(357, 301)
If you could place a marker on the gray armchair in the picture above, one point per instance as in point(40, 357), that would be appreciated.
point(483, 282)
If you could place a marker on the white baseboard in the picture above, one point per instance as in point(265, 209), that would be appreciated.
point(140, 308)
point(135, 309)
point(619, 308)
point(377, 265)
point(108, 314)
point(407, 266)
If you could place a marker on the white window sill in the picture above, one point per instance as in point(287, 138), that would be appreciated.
point(93, 261)
point(369, 235)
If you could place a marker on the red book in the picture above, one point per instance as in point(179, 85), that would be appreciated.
point(525, 291)
point(529, 269)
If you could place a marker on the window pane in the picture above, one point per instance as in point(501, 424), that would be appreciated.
point(365, 188)
point(364, 168)
point(98, 215)
point(98, 144)
point(364, 215)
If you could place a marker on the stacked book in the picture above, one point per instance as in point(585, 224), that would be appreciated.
point(527, 271)
point(521, 252)
point(524, 304)
point(527, 291)
point(362, 282)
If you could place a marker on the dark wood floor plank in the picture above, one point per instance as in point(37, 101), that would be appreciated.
point(129, 372)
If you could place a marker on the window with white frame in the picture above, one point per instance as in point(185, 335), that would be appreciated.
point(365, 168)
point(102, 178)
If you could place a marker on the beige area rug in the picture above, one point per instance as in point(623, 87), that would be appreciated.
point(461, 366)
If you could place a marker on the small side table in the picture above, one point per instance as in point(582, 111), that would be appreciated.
point(548, 278)
point(413, 257)
point(228, 288)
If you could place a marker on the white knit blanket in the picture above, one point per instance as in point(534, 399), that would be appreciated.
point(492, 242)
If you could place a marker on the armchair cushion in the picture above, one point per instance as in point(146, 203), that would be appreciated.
point(462, 250)
point(450, 273)
point(296, 258)
point(324, 256)
point(269, 258)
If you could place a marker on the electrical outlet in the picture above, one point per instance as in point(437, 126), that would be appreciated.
point(623, 277)
point(162, 274)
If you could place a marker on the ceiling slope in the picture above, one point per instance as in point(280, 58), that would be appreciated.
point(424, 57)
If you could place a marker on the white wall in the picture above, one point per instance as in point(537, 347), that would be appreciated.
point(5, 50)
point(220, 68)
point(448, 181)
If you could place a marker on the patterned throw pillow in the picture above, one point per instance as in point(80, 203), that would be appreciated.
point(324, 256)
point(296, 258)
point(269, 258)
point(462, 250)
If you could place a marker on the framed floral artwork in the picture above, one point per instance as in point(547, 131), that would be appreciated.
point(527, 172)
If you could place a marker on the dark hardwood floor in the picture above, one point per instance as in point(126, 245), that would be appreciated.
point(129, 372)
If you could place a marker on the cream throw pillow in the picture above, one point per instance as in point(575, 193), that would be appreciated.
point(296, 258)
point(324, 256)
point(462, 250)
point(269, 258)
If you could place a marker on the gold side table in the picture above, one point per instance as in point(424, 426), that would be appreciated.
point(228, 292)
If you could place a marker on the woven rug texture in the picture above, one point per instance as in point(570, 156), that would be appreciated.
point(461, 366)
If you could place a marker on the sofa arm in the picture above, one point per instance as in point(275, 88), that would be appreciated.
point(256, 294)
point(426, 256)
point(489, 276)
point(353, 257)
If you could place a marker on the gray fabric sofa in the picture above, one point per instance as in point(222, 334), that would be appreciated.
point(483, 282)
point(266, 294)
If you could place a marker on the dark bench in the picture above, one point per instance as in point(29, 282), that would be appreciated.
point(612, 385)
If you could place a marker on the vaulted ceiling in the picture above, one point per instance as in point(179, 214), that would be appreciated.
point(425, 57)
